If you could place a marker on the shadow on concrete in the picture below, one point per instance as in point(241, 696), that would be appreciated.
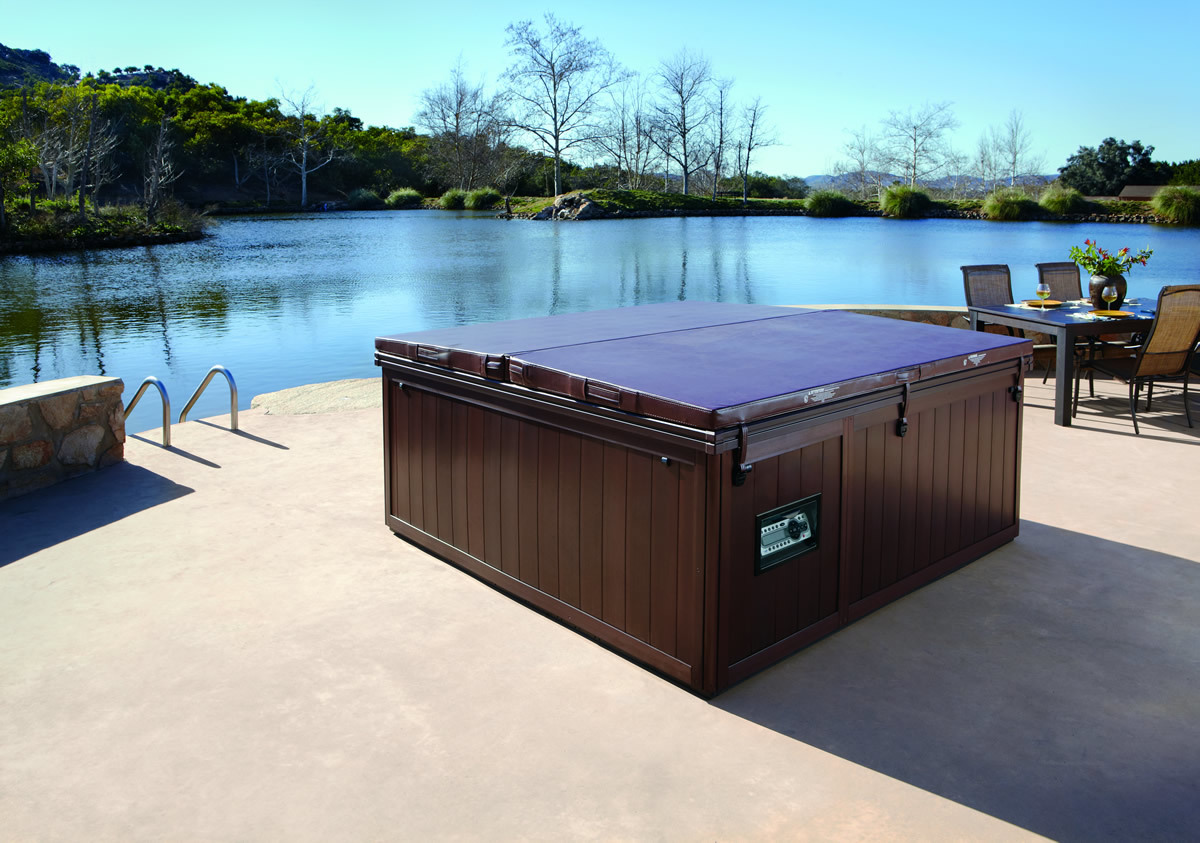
point(55, 514)
point(1166, 416)
point(179, 451)
point(245, 435)
point(1054, 684)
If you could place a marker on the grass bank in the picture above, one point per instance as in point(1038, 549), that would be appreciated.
point(56, 226)
point(608, 203)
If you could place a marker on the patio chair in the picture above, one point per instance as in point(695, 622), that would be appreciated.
point(986, 285)
point(1166, 355)
point(1063, 278)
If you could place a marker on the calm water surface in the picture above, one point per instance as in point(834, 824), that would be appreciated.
point(289, 300)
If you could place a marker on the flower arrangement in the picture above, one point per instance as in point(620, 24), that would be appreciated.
point(1099, 261)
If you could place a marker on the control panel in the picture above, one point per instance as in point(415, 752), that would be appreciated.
point(787, 532)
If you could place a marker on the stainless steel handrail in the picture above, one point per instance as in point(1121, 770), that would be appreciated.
point(166, 402)
point(233, 396)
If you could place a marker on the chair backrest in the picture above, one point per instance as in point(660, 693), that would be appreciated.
point(1174, 334)
point(987, 284)
point(1063, 278)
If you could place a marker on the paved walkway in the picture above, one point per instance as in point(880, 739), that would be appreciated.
point(222, 641)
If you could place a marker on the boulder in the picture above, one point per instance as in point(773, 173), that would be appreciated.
point(79, 446)
point(32, 455)
point(15, 423)
point(59, 410)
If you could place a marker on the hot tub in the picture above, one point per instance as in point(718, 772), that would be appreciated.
point(704, 487)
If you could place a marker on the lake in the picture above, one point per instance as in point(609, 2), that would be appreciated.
point(288, 300)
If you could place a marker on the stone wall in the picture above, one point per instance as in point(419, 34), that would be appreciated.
point(57, 429)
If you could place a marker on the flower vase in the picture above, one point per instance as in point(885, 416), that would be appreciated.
point(1096, 287)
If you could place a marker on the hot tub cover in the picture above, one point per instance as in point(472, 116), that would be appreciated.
point(706, 364)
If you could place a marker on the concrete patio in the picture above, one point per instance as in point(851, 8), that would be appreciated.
point(222, 641)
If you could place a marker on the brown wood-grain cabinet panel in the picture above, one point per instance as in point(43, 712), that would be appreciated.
point(397, 430)
point(510, 497)
point(570, 483)
point(614, 529)
point(637, 545)
point(664, 550)
point(493, 446)
point(830, 485)
point(591, 527)
point(458, 473)
point(548, 493)
point(527, 503)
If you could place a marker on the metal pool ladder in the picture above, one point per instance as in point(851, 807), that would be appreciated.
point(166, 404)
point(233, 396)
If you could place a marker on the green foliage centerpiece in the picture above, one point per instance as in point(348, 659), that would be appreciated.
point(1107, 268)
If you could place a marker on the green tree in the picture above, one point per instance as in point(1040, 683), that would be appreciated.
point(1106, 169)
point(18, 157)
point(1186, 173)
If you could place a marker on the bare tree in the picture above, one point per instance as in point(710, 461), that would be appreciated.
point(684, 112)
point(627, 134)
point(987, 160)
point(556, 85)
point(864, 163)
point(721, 129)
point(755, 135)
point(159, 169)
point(97, 168)
point(914, 139)
point(466, 128)
point(310, 148)
point(957, 164)
point(1013, 148)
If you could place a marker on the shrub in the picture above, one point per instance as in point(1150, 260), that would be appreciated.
point(362, 199)
point(1008, 204)
point(1177, 204)
point(454, 199)
point(482, 199)
point(1064, 200)
point(829, 203)
point(905, 202)
point(404, 197)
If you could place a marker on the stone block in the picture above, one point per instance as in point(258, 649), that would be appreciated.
point(79, 447)
point(32, 455)
point(93, 412)
point(112, 391)
point(15, 423)
point(113, 455)
point(116, 421)
point(59, 410)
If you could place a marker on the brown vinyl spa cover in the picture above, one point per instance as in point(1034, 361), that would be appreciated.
point(705, 364)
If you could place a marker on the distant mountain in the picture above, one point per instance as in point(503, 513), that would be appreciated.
point(25, 67)
point(964, 185)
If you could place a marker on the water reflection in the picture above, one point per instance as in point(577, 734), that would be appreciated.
point(288, 300)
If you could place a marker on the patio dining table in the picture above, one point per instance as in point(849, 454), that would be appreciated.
point(1066, 323)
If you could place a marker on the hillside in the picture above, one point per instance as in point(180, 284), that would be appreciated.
point(24, 67)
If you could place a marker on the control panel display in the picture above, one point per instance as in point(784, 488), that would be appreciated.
point(787, 532)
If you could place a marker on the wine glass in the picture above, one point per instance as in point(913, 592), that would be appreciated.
point(1109, 294)
point(1043, 292)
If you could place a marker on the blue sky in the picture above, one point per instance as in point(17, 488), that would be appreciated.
point(1078, 72)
